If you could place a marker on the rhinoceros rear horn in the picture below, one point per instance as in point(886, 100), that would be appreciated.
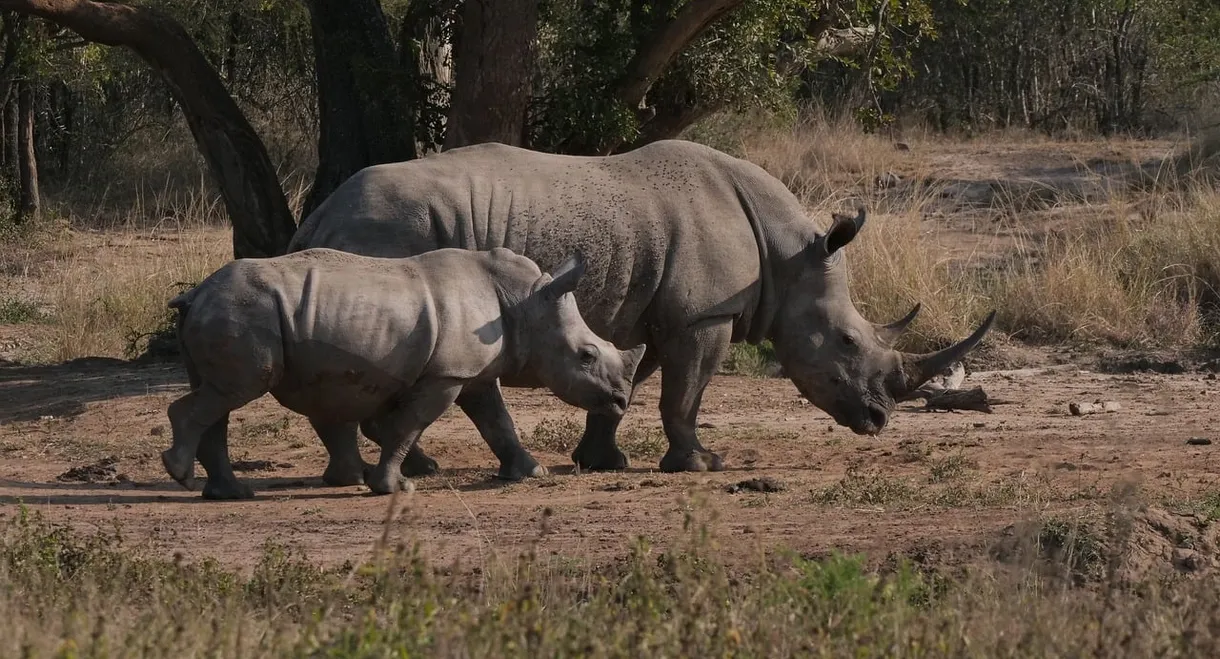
point(918, 369)
point(889, 333)
point(841, 232)
point(566, 276)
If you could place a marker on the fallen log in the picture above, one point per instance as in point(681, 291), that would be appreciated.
point(958, 399)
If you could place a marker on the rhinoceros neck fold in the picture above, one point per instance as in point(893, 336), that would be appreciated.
point(782, 233)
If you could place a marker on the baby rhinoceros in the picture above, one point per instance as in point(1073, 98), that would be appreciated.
point(390, 343)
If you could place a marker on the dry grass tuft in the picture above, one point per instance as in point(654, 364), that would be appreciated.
point(102, 300)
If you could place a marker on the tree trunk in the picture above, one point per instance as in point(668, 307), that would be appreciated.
point(10, 136)
point(364, 98)
point(493, 66)
point(28, 202)
point(425, 51)
point(262, 223)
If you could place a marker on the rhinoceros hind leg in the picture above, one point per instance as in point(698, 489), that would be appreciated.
point(341, 440)
point(484, 405)
point(193, 418)
point(214, 456)
point(688, 362)
point(598, 450)
point(398, 430)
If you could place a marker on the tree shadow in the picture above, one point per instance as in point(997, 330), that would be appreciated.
point(64, 390)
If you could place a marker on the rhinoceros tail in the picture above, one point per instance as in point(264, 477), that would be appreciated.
point(182, 303)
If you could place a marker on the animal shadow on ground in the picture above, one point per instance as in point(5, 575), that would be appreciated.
point(63, 390)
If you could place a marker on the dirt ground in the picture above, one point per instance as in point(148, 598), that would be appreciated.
point(942, 479)
point(80, 441)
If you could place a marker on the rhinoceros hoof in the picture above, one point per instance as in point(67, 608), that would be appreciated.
point(691, 461)
point(387, 483)
point(419, 464)
point(521, 470)
point(599, 459)
point(227, 490)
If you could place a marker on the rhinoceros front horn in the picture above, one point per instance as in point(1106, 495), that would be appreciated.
point(918, 369)
point(890, 333)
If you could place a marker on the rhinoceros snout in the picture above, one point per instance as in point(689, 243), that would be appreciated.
point(873, 421)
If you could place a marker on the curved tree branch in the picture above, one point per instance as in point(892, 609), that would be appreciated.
point(669, 40)
point(262, 223)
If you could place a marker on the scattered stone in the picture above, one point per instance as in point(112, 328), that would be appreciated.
point(706, 424)
point(157, 431)
point(763, 484)
point(980, 424)
point(651, 483)
point(1081, 409)
point(902, 146)
point(102, 471)
point(619, 486)
point(1199, 441)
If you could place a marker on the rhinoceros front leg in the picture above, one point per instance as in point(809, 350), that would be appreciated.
point(688, 362)
point(484, 404)
point(597, 450)
point(346, 466)
point(398, 430)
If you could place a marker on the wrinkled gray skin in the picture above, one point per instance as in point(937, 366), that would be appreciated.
point(388, 344)
point(689, 250)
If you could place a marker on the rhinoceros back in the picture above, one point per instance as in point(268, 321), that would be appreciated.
point(663, 228)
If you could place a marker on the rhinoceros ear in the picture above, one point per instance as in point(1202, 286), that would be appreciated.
point(566, 276)
point(841, 232)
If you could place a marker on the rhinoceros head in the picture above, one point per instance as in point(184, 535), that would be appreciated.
point(567, 357)
point(842, 363)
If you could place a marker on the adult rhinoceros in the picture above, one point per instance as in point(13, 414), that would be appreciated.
point(689, 250)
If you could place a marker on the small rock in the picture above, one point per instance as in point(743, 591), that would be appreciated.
point(705, 424)
point(902, 146)
point(157, 431)
point(980, 424)
point(619, 486)
point(1199, 441)
point(1081, 409)
point(763, 484)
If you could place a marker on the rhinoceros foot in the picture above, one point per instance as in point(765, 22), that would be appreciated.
point(227, 490)
point(340, 475)
point(417, 463)
point(522, 467)
point(385, 481)
point(180, 469)
point(697, 460)
point(598, 456)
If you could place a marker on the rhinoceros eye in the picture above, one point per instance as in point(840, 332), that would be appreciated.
point(849, 340)
point(588, 355)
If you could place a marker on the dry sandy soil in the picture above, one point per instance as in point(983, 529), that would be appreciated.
point(933, 481)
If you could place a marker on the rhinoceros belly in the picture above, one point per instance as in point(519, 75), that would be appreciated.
point(333, 386)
